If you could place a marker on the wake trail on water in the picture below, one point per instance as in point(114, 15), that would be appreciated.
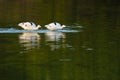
point(13, 30)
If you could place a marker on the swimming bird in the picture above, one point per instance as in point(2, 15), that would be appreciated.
point(55, 26)
point(29, 26)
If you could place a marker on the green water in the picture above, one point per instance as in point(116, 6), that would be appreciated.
point(91, 54)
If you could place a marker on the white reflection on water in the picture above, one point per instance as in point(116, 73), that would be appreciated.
point(29, 40)
point(55, 39)
point(54, 36)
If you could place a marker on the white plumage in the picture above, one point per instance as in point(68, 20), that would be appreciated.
point(29, 26)
point(55, 26)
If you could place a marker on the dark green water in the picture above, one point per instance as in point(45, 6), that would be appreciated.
point(91, 54)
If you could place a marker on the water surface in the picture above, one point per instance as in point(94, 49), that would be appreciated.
point(58, 55)
point(87, 53)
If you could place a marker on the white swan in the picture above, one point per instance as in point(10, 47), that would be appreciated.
point(55, 26)
point(29, 26)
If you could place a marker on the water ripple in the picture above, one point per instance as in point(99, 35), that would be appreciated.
point(13, 30)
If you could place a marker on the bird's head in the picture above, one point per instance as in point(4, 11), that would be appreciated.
point(63, 26)
point(20, 24)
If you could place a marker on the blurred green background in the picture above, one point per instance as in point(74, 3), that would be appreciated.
point(64, 11)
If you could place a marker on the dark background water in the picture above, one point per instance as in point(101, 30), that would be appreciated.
point(43, 12)
point(92, 54)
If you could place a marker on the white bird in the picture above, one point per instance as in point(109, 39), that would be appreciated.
point(29, 26)
point(55, 26)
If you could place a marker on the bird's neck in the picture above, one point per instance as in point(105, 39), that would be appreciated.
point(38, 26)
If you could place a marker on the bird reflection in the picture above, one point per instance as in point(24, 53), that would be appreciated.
point(29, 40)
point(55, 39)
